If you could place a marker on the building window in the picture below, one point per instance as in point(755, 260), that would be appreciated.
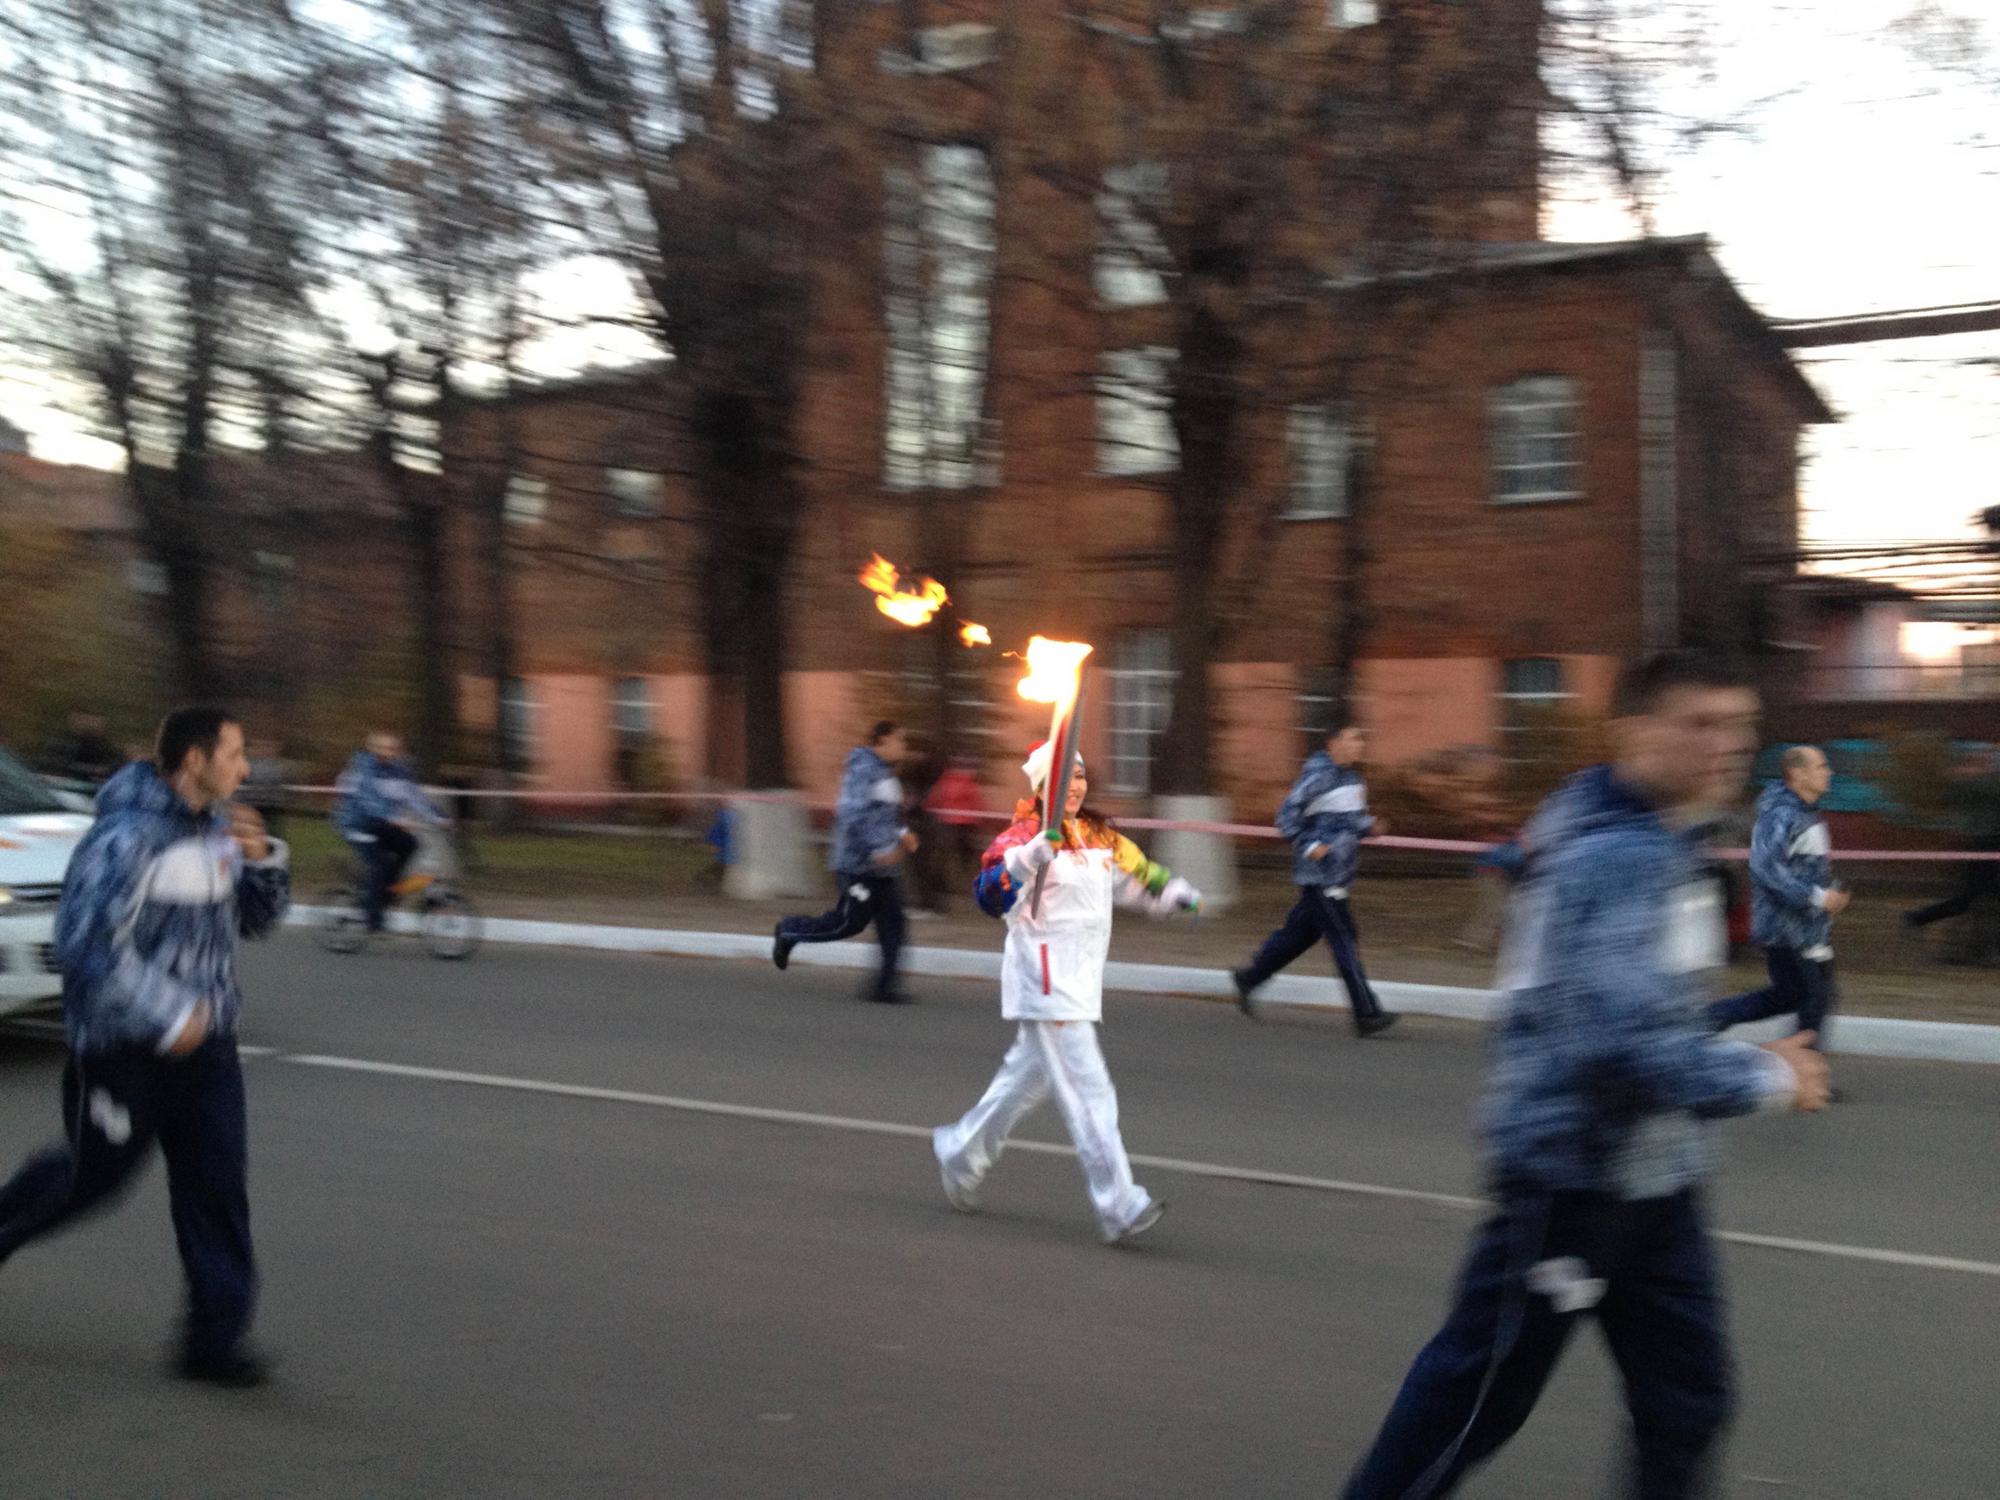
point(1131, 267)
point(1535, 441)
point(1315, 700)
point(944, 49)
point(1350, 13)
point(276, 579)
point(938, 255)
point(527, 502)
point(632, 710)
point(1135, 433)
point(519, 722)
point(1141, 683)
point(636, 492)
point(1317, 443)
point(1533, 692)
point(145, 576)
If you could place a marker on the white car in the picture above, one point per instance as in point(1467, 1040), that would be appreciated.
point(39, 831)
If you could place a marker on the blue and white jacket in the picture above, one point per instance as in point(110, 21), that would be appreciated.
point(156, 896)
point(1603, 1067)
point(1327, 805)
point(1791, 871)
point(374, 790)
point(868, 818)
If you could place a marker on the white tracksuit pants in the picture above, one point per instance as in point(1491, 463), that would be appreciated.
point(1063, 1059)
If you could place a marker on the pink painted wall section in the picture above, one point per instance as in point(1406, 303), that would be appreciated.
point(1414, 706)
point(1258, 746)
point(823, 722)
point(680, 720)
point(572, 733)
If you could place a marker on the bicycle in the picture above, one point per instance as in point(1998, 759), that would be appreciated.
point(447, 921)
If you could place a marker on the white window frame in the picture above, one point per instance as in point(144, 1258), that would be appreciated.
point(1512, 700)
point(520, 721)
point(1536, 409)
point(939, 262)
point(1319, 445)
point(1140, 694)
point(527, 500)
point(1135, 431)
point(636, 494)
point(1132, 264)
point(955, 47)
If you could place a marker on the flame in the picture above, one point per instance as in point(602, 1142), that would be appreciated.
point(905, 607)
point(1055, 668)
point(975, 635)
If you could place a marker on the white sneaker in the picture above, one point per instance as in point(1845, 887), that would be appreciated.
point(960, 1195)
point(1142, 1221)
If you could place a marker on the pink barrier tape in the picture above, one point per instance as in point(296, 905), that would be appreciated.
point(1155, 825)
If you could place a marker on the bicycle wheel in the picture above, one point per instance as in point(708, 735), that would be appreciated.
point(449, 924)
point(342, 929)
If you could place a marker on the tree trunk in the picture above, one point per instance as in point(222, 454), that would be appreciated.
point(171, 539)
point(1207, 416)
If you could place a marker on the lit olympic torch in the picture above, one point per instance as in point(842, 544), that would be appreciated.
point(1055, 677)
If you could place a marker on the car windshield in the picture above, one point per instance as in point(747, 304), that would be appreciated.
point(22, 792)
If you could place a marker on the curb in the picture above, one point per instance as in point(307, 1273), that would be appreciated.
point(1858, 1036)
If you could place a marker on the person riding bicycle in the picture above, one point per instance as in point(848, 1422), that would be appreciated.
point(379, 808)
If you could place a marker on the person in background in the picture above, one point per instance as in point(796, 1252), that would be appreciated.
point(870, 845)
point(379, 808)
point(957, 806)
point(1975, 802)
point(1325, 817)
point(1595, 1117)
point(1794, 900)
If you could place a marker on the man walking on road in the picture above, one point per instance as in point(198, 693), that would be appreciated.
point(1794, 900)
point(870, 844)
point(157, 894)
point(1325, 817)
point(1603, 1079)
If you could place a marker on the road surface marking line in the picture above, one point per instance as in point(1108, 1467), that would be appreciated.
point(1046, 1148)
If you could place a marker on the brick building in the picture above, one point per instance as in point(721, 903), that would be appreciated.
point(1569, 449)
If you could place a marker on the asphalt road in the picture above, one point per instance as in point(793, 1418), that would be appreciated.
point(478, 1284)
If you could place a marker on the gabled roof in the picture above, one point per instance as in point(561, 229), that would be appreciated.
point(1692, 255)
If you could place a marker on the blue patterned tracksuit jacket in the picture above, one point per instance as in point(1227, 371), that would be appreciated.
point(1603, 1067)
point(1327, 805)
point(868, 817)
point(373, 790)
point(1790, 864)
point(155, 899)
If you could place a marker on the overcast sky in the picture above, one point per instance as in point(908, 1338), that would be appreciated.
point(1867, 179)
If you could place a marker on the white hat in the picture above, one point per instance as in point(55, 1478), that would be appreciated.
point(1036, 766)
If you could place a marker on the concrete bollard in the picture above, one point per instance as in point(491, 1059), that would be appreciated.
point(773, 854)
point(1207, 859)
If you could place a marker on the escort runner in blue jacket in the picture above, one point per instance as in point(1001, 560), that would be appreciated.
point(1605, 1076)
point(379, 801)
point(1325, 817)
point(870, 843)
point(158, 893)
point(1793, 900)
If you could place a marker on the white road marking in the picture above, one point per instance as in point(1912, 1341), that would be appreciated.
point(1158, 1163)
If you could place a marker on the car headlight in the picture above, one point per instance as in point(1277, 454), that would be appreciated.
point(6, 898)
